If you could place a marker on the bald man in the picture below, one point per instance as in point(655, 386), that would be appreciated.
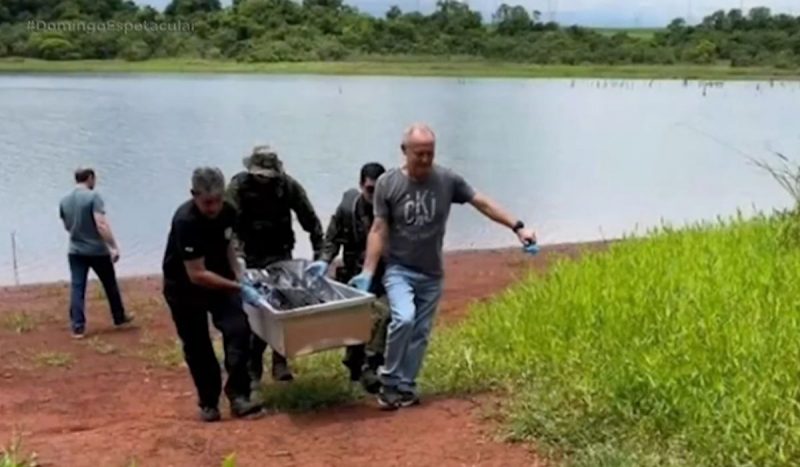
point(412, 205)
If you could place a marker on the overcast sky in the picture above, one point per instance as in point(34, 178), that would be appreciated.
point(623, 13)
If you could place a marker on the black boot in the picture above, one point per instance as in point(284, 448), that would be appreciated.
point(280, 368)
point(209, 414)
point(242, 407)
point(354, 361)
point(370, 380)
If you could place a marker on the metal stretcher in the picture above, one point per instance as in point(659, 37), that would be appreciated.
point(314, 328)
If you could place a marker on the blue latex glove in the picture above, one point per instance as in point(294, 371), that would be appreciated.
point(361, 282)
point(317, 268)
point(250, 294)
point(531, 248)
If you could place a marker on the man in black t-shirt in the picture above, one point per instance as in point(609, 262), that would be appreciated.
point(201, 274)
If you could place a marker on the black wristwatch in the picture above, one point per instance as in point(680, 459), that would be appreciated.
point(519, 225)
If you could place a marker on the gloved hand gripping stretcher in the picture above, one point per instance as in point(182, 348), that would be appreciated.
point(298, 314)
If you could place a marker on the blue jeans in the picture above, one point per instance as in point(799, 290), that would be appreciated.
point(79, 266)
point(413, 300)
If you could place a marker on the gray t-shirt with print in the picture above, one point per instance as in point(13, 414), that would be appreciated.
point(417, 213)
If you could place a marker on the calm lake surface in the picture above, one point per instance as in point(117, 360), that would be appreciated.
point(579, 160)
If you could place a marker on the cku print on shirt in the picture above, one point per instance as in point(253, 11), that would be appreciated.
point(419, 209)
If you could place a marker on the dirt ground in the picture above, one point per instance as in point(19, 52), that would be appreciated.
point(110, 399)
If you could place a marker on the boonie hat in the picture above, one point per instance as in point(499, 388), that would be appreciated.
point(264, 161)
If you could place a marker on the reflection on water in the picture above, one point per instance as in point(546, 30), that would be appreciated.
point(577, 159)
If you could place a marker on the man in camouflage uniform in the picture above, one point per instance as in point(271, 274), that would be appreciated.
point(265, 196)
point(348, 229)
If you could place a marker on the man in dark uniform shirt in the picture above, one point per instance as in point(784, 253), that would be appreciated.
point(201, 274)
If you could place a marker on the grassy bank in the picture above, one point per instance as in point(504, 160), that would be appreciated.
point(402, 67)
point(681, 349)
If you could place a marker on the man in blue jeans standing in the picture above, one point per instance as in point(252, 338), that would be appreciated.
point(412, 205)
point(91, 246)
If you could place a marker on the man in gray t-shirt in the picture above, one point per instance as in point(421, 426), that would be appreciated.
point(412, 205)
point(417, 213)
point(91, 246)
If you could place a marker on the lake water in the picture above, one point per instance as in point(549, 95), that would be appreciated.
point(579, 160)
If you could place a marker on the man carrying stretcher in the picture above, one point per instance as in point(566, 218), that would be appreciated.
point(348, 230)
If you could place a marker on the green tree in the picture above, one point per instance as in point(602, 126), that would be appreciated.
point(760, 17)
point(56, 48)
point(393, 13)
point(136, 50)
point(290, 30)
point(189, 7)
point(512, 20)
point(704, 52)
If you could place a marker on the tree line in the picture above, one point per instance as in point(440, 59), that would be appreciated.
point(312, 30)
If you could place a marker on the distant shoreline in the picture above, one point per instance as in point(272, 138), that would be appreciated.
point(452, 256)
point(401, 67)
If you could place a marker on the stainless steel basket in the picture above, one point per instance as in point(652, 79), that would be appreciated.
point(310, 329)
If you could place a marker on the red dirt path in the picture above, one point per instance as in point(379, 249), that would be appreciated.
point(103, 402)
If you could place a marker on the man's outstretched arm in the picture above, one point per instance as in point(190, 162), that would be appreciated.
point(491, 209)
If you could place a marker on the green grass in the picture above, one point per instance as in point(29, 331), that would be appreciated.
point(681, 348)
point(19, 322)
point(12, 455)
point(402, 66)
point(229, 460)
point(54, 359)
point(102, 347)
point(164, 354)
point(677, 349)
point(320, 381)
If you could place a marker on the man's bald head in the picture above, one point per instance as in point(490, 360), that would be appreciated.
point(418, 146)
point(418, 132)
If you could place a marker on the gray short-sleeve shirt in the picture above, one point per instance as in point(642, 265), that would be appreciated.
point(77, 212)
point(417, 213)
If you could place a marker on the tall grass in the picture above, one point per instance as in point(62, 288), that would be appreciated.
point(321, 382)
point(12, 455)
point(678, 349)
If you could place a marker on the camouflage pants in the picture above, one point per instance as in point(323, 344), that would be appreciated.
point(368, 355)
point(377, 343)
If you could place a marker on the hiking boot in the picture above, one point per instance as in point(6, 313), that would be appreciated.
point(126, 321)
point(370, 381)
point(255, 385)
point(355, 370)
point(354, 361)
point(408, 399)
point(280, 370)
point(389, 398)
point(242, 407)
point(210, 414)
